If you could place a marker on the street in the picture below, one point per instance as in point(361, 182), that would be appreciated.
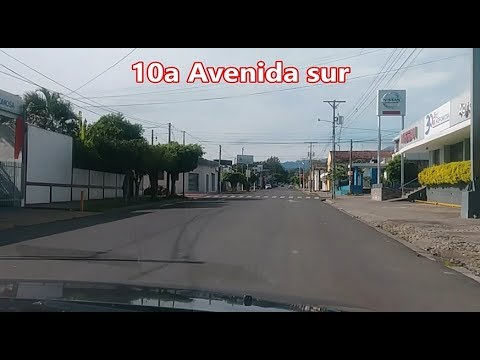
point(278, 244)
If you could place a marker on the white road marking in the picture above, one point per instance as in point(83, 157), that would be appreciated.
point(232, 196)
point(282, 197)
point(299, 197)
point(316, 198)
point(307, 197)
point(265, 196)
point(208, 196)
point(249, 196)
point(216, 196)
point(240, 196)
point(274, 197)
point(449, 273)
point(290, 197)
point(294, 251)
point(257, 196)
point(293, 201)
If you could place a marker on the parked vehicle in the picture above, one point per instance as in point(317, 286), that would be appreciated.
point(268, 186)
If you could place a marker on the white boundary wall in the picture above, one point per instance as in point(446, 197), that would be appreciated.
point(51, 178)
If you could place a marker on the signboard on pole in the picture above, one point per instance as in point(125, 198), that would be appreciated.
point(391, 102)
point(245, 159)
point(247, 173)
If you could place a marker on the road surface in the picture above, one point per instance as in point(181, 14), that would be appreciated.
point(278, 244)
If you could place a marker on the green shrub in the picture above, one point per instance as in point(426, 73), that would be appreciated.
point(449, 174)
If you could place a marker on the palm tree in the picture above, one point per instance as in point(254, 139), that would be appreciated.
point(49, 111)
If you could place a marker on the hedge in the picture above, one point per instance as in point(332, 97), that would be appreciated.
point(449, 174)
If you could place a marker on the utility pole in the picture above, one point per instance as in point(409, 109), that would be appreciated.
point(152, 136)
point(310, 154)
point(219, 168)
point(471, 198)
point(183, 174)
point(334, 104)
point(350, 176)
point(169, 139)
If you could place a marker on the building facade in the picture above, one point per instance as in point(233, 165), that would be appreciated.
point(442, 135)
point(204, 179)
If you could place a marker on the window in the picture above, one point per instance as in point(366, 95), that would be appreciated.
point(436, 157)
point(456, 151)
point(467, 149)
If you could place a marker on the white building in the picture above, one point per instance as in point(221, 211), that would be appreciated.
point(203, 179)
point(442, 135)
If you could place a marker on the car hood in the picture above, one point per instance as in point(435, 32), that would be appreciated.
point(28, 295)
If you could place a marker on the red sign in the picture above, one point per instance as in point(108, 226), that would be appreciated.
point(409, 135)
point(19, 134)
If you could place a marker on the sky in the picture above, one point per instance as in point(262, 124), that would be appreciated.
point(263, 119)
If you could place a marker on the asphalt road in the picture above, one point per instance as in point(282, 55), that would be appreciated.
point(278, 244)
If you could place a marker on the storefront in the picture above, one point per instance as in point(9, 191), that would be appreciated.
point(443, 134)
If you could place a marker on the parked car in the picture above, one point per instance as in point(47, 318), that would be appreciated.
point(268, 186)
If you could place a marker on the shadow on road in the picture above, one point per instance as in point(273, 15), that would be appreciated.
point(24, 233)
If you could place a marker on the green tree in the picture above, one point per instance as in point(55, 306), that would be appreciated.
point(234, 178)
point(118, 146)
point(153, 162)
point(180, 158)
point(393, 171)
point(275, 168)
point(49, 111)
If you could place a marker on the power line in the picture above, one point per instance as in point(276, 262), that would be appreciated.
point(303, 87)
point(200, 88)
point(24, 79)
point(66, 87)
point(405, 69)
point(104, 71)
point(376, 87)
point(357, 103)
point(374, 97)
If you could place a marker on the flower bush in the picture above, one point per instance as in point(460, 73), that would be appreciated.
point(449, 174)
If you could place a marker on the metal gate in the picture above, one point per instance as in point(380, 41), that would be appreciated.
point(10, 183)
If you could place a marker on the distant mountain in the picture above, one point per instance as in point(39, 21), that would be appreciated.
point(290, 165)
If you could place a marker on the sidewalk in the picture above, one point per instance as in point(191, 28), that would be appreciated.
point(46, 213)
point(436, 229)
point(13, 217)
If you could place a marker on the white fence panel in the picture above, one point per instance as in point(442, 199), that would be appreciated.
point(60, 194)
point(76, 193)
point(109, 193)
point(96, 194)
point(37, 194)
point(49, 156)
point(110, 179)
point(80, 176)
point(96, 178)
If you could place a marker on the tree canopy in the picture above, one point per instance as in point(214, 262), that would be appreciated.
point(112, 143)
point(180, 158)
point(49, 111)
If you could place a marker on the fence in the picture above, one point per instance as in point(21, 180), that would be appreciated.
point(10, 182)
point(94, 184)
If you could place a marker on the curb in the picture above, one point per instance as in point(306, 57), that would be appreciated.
point(414, 248)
